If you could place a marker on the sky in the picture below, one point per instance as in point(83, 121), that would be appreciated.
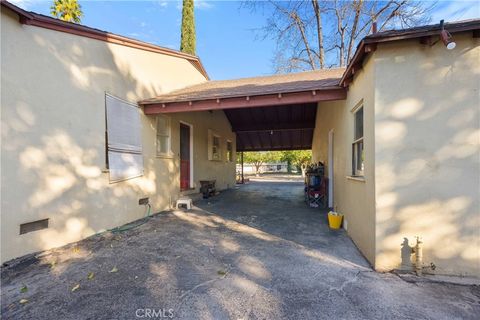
point(229, 41)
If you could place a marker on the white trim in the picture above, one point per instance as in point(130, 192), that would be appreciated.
point(191, 152)
point(357, 106)
point(356, 178)
point(231, 151)
point(210, 138)
point(330, 168)
point(169, 154)
point(357, 172)
point(123, 100)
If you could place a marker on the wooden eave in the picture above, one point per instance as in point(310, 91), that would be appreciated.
point(246, 101)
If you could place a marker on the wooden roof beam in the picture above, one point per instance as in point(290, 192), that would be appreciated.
point(274, 126)
point(241, 102)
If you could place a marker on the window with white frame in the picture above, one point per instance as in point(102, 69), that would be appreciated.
point(164, 136)
point(123, 139)
point(214, 152)
point(216, 148)
point(358, 153)
point(229, 151)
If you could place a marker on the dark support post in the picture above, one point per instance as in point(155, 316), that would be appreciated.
point(241, 159)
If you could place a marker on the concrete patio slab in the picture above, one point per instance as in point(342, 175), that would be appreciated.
point(256, 252)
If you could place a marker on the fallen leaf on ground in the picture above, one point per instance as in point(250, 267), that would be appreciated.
point(90, 276)
point(114, 269)
point(76, 287)
point(53, 264)
point(221, 272)
point(23, 301)
point(76, 249)
point(23, 289)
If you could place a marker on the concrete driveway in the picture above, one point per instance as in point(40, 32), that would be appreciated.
point(256, 252)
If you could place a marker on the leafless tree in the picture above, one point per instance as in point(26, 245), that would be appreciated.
point(312, 34)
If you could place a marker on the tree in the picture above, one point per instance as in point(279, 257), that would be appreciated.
point(67, 10)
point(188, 40)
point(260, 158)
point(298, 158)
point(312, 34)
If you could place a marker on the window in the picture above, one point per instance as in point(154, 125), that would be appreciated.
point(358, 153)
point(163, 137)
point(213, 146)
point(216, 148)
point(229, 151)
point(124, 142)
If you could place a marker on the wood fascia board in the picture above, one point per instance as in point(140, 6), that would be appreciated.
point(241, 102)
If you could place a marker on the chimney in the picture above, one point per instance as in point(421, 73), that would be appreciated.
point(374, 27)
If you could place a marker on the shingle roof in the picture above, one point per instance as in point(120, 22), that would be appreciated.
point(414, 32)
point(292, 82)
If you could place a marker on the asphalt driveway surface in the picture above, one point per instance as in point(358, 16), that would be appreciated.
point(255, 252)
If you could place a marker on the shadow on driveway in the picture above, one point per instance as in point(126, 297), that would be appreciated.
point(254, 252)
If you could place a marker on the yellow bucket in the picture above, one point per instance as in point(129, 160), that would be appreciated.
point(335, 221)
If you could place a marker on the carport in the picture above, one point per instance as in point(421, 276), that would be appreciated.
point(266, 113)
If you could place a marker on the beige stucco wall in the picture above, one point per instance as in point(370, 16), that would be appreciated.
point(427, 154)
point(422, 152)
point(353, 198)
point(53, 88)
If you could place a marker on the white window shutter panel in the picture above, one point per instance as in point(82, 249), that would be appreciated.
point(124, 165)
point(124, 134)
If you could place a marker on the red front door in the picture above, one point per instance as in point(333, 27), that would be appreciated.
point(184, 157)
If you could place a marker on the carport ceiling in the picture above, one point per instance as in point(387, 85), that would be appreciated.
point(286, 127)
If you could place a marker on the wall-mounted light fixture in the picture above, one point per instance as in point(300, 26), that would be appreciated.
point(446, 38)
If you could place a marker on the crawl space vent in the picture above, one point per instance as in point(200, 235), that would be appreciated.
point(33, 226)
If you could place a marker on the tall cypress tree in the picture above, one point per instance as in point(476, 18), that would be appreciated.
point(188, 28)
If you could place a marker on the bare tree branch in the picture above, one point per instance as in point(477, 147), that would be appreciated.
point(305, 42)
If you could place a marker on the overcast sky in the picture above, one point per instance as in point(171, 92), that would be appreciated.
point(228, 41)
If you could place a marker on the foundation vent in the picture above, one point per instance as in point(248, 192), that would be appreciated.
point(33, 226)
point(143, 201)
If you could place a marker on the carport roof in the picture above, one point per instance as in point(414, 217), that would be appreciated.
point(285, 83)
point(266, 113)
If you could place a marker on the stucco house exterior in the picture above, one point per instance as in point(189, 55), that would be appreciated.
point(94, 122)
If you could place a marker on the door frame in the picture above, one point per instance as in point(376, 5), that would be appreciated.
point(191, 185)
point(330, 168)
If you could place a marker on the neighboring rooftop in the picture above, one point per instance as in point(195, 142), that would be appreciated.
point(285, 83)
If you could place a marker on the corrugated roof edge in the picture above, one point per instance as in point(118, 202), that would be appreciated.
point(368, 43)
point(39, 20)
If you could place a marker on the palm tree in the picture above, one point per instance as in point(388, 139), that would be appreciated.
point(67, 10)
